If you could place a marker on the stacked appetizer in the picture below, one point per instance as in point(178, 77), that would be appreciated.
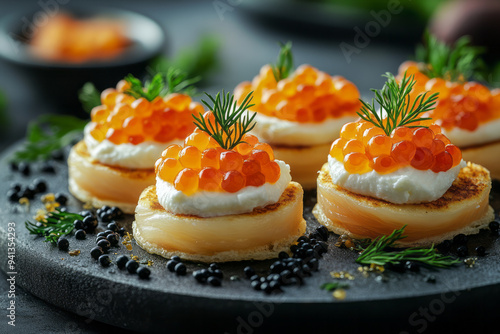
point(394, 168)
point(115, 161)
point(467, 111)
point(222, 196)
point(299, 113)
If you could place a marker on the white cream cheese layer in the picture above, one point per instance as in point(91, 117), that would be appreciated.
point(278, 131)
point(485, 133)
point(406, 185)
point(143, 155)
point(211, 204)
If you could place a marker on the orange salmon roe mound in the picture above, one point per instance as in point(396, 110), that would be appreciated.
point(123, 119)
point(363, 147)
point(306, 96)
point(202, 165)
point(463, 105)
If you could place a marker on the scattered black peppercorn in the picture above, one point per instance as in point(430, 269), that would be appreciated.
point(24, 168)
point(214, 281)
point(40, 185)
point(430, 279)
point(104, 244)
point(112, 226)
point(96, 252)
point(462, 251)
point(90, 223)
point(61, 198)
point(63, 243)
point(13, 166)
point(113, 239)
point(57, 155)
point(480, 251)
point(13, 195)
point(494, 226)
point(132, 266)
point(249, 271)
point(78, 224)
point(122, 231)
point(460, 239)
point(143, 272)
point(412, 266)
point(28, 193)
point(171, 265)
point(104, 260)
point(80, 234)
point(180, 269)
point(48, 168)
point(444, 247)
point(121, 261)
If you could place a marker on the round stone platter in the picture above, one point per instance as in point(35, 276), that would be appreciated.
point(178, 303)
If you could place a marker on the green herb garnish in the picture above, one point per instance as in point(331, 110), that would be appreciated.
point(332, 286)
point(47, 134)
point(457, 63)
point(284, 65)
point(394, 100)
point(4, 119)
point(380, 252)
point(89, 97)
point(57, 224)
point(231, 121)
point(175, 81)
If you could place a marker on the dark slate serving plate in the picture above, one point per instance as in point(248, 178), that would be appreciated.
point(403, 303)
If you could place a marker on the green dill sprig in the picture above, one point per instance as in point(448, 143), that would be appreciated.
point(173, 81)
point(284, 65)
point(459, 62)
point(56, 224)
point(332, 286)
point(47, 134)
point(380, 252)
point(394, 101)
point(89, 97)
point(232, 122)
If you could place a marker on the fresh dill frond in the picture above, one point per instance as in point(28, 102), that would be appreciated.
point(394, 100)
point(284, 65)
point(380, 251)
point(55, 225)
point(332, 286)
point(459, 62)
point(173, 81)
point(232, 122)
point(89, 97)
point(47, 134)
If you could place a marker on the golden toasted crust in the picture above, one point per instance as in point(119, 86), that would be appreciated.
point(486, 155)
point(98, 184)
point(462, 209)
point(283, 218)
point(304, 161)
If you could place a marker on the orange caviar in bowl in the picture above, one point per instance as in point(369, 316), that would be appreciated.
point(121, 118)
point(201, 164)
point(363, 147)
point(464, 105)
point(306, 96)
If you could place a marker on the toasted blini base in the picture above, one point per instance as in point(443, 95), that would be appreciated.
point(464, 208)
point(97, 184)
point(304, 161)
point(487, 155)
point(257, 235)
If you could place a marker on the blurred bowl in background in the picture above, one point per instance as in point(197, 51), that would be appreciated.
point(59, 82)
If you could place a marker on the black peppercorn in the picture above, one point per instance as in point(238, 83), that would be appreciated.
point(249, 271)
point(96, 252)
point(412, 266)
point(104, 260)
point(63, 243)
point(214, 281)
point(104, 244)
point(121, 261)
point(78, 224)
point(460, 239)
point(171, 265)
point(480, 250)
point(132, 266)
point(494, 226)
point(61, 198)
point(80, 234)
point(113, 239)
point(48, 168)
point(143, 272)
point(122, 231)
point(24, 168)
point(13, 195)
point(462, 251)
point(180, 269)
point(112, 226)
point(39, 185)
point(89, 223)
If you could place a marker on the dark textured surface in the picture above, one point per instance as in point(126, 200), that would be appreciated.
point(78, 284)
